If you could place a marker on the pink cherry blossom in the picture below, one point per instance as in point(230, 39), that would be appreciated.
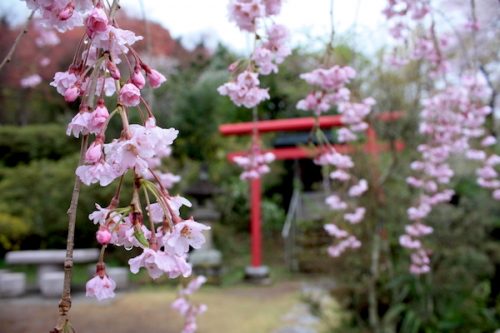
point(98, 118)
point(340, 175)
point(80, 124)
point(158, 263)
point(100, 287)
point(71, 94)
point(96, 21)
point(100, 172)
point(94, 153)
point(194, 285)
point(358, 189)
point(245, 90)
point(273, 7)
point(335, 231)
point(335, 202)
point(116, 41)
point(155, 78)
point(63, 14)
point(245, 13)
point(31, 81)
point(408, 242)
point(130, 95)
point(168, 179)
point(64, 80)
point(356, 216)
point(264, 60)
point(187, 233)
point(138, 79)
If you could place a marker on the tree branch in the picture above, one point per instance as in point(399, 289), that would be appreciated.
point(23, 32)
point(65, 301)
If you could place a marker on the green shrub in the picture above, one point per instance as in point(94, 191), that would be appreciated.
point(20, 145)
point(12, 231)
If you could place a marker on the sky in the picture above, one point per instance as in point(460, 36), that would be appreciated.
point(193, 20)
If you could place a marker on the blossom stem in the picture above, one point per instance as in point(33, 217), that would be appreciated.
point(101, 254)
point(151, 224)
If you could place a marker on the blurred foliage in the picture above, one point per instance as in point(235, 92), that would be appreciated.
point(39, 194)
point(33, 142)
point(12, 232)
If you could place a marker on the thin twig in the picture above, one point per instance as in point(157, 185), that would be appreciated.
point(65, 302)
point(23, 32)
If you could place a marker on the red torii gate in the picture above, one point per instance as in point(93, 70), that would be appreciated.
point(295, 124)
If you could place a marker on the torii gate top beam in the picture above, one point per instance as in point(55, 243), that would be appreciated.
point(295, 124)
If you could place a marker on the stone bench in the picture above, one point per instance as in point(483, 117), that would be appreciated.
point(49, 261)
point(12, 284)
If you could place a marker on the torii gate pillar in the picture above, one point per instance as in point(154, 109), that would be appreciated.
point(256, 271)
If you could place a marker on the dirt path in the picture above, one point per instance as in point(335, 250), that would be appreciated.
point(239, 309)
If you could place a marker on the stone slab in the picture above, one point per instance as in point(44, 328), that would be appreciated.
point(44, 257)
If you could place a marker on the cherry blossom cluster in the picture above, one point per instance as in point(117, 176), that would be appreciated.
point(62, 15)
point(255, 164)
point(404, 16)
point(451, 121)
point(151, 221)
point(331, 92)
point(343, 201)
point(186, 308)
point(331, 83)
point(246, 13)
point(244, 89)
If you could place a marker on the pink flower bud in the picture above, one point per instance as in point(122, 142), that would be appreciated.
point(94, 153)
point(97, 21)
point(113, 70)
point(71, 94)
point(232, 68)
point(103, 236)
point(130, 95)
point(98, 117)
point(67, 12)
point(155, 78)
point(138, 79)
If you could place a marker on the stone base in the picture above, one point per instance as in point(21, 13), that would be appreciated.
point(44, 269)
point(52, 284)
point(205, 257)
point(12, 284)
point(258, 275)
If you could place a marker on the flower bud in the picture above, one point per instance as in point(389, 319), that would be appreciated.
point(129, 95)
point(67, 12)
point(138, 79)
point(71, 94)
point(113, 70)
point(155, 78)
point(103, 236)
point(94, 153)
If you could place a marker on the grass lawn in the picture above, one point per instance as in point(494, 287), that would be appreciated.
point(238, 309)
